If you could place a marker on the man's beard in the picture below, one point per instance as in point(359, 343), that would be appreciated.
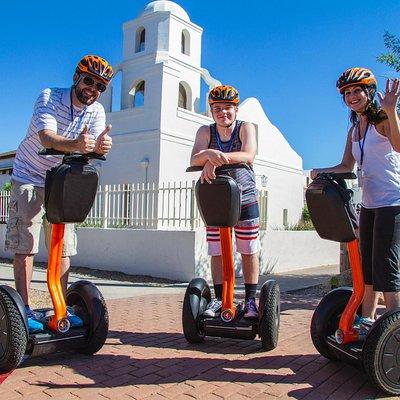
point(86, 100)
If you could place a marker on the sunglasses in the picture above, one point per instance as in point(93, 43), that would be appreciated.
point(88, 81)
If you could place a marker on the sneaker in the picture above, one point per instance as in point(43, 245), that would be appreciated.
point(363, 324)
point(251, 309)
point(34, 325)
point(74, 320)
point(213, 309)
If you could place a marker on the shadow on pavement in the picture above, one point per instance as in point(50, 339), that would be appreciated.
point(110, 371)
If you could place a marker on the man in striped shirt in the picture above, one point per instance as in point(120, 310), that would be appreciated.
point(229, 141)
point(70, 120)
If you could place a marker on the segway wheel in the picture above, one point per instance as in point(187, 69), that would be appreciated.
point(269, 314)
point(197, 296)
point(381, 353)
point(326, 317)
point(13, 337)
point(88, 303)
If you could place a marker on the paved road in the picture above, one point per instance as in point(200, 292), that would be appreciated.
point(147, 357)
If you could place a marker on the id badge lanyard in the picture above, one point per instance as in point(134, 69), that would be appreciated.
point(361, 146)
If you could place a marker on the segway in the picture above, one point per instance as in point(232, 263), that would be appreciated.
point(70, 189)
point(332, 326)
point(219, 205)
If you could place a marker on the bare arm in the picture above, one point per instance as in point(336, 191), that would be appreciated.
point(347, 163)
point(84, 143)
point(392, 130)
point(201, 153)
point(389, 101)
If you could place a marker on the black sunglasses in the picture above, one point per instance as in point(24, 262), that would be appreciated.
point(88, 81)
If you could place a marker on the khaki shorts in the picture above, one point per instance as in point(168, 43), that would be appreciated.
point(26, 216)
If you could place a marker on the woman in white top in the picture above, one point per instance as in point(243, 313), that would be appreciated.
point(373, 141)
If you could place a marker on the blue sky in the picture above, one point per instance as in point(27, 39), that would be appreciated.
point(288, 54)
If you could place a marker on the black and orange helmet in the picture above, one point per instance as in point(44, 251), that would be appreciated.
point(224, 94)
point(355, 76)
point(96, 66)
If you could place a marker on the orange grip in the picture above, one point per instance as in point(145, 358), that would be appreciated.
point(347, 319)
point(54, 276)
point(228, 270)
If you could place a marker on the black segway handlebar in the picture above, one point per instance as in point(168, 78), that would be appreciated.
point(339, 175)
point(54, 152)
point(220, 169)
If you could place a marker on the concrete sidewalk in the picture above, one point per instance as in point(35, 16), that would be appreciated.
point(114, 289)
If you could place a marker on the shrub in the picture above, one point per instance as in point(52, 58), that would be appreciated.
point(301, 226)
point(6, 187)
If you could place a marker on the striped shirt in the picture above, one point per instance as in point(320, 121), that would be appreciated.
point(52, 111)
point(244, 177)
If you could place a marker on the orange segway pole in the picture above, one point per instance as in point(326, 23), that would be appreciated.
point(228, 308)
point(58, 322)
point(346, 333)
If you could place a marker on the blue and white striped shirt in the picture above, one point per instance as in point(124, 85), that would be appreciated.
point(53, 111)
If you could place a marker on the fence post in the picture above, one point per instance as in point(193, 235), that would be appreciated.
point(146, 205)
point(344, 258)
point(192, 205)
point(105, 207)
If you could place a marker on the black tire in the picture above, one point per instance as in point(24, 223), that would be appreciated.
point(13, 337)
point(89, 304)
point(197, 296)
point(381, 352)
point(269, 315)
point(326, 317)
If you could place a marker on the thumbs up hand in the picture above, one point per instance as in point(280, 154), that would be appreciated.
point(104, 142)
point(85, 142)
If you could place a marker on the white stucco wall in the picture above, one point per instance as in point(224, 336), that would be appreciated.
point(279, 162)
point(123, 163)
point(286, 251)
point(182, 255)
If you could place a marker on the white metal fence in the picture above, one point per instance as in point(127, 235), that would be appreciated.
point(4, 202)
point(139, 206)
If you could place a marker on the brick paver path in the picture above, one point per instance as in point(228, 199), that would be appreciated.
point(146, 357)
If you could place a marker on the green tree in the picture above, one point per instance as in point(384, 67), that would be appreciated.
point(306, 214)
point(392, 59)
point(6, 187)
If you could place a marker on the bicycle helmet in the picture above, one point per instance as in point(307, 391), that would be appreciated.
point(224, 94)
point(95, 66)
point(356, 76)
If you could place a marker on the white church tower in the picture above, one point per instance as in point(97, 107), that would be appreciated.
point(160, 91)
point(159, 113)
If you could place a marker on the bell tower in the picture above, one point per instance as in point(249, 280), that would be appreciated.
point(160, 87)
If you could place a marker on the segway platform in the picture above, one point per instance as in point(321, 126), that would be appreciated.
point(352, 352)
point(238, 328)
point(48, 341)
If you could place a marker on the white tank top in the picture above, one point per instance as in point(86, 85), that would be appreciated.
point(380, 169)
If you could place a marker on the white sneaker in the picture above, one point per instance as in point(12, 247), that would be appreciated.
point(213, 309)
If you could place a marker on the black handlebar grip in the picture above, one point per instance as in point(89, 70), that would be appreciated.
point(54, 152)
